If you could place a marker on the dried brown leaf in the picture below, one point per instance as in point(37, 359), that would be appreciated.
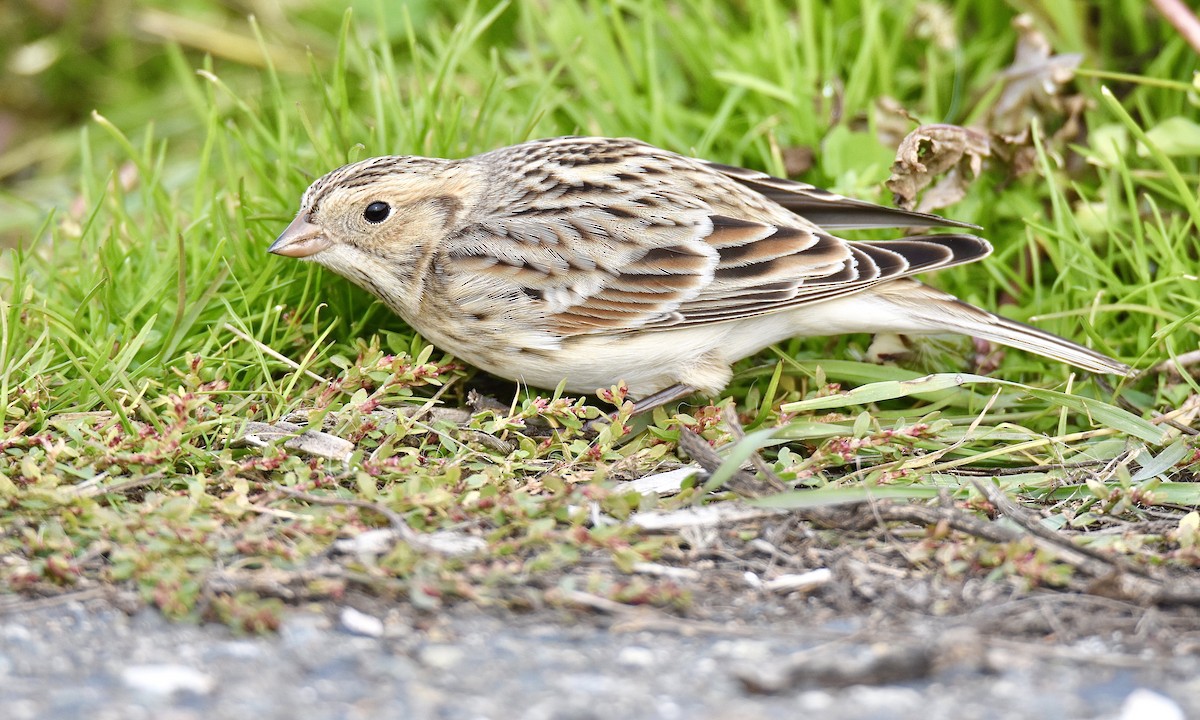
point(952, 152)
point(1033, 84)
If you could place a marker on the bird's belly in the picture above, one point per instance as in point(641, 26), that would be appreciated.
point(594, 362)
point(649, 361)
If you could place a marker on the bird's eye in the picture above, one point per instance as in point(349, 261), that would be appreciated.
point(377, 212)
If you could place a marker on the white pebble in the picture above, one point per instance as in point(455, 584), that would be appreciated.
point(166, 679)
point(360, 623)
point(1143, 704)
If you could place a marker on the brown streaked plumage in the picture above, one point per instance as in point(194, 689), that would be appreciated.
point(596, 260)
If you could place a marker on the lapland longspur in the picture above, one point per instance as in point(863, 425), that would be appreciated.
point(595, 260)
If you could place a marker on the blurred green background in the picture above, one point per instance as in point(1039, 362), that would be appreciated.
point(62, 59)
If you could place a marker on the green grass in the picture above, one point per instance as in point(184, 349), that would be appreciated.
point(141, 320)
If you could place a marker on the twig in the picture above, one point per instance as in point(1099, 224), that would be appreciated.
point(741, 482)
point(929, 459)
point(871, 513)
point(502, 447)
point(92, 488)
point(641, 618)
point(731, 419)
point(1019, 650)
point(1163, 418)
point(1173, 366)
point(1182, 18)
point(1021, 447)
point(1111, 577)
point(288, 585)
point(12, 604)
point(1022, 469)
point(952, 517)
point(1114, 576)
point(397, 523)
point(1107, 562)
point(596, 602)
point(416, 415)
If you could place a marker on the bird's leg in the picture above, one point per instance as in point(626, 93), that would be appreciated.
point(663, 397)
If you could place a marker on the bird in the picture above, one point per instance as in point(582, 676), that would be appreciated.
point(585, 261)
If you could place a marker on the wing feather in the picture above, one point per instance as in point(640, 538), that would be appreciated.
point(774, 287)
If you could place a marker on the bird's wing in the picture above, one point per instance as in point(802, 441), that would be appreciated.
point(598, 270)
point(787, 268)
point(612, 236)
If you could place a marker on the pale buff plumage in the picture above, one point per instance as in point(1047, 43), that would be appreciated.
point(596, 260)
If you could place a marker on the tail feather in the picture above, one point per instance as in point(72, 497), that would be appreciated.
point(932, 310)
point(1026, 337)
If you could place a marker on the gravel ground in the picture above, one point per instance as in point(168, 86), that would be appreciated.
point(87, 659)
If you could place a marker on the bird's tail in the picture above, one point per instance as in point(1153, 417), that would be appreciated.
point(943, 312)
point(1026, 337)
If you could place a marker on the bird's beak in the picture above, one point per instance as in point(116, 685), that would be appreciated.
point(301, 239)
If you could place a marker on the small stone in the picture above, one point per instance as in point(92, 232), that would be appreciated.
point(451, 543)
point(167, 679)
point(664, 483)
point(360, 623)
point(368, 542)
point(667, 571)
point(699, 517)
point(799, 582)
point(1144, 704)
point(242, 649)
point(882, 701)
point(636, 656)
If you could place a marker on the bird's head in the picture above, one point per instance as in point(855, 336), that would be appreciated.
point(373, 220)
